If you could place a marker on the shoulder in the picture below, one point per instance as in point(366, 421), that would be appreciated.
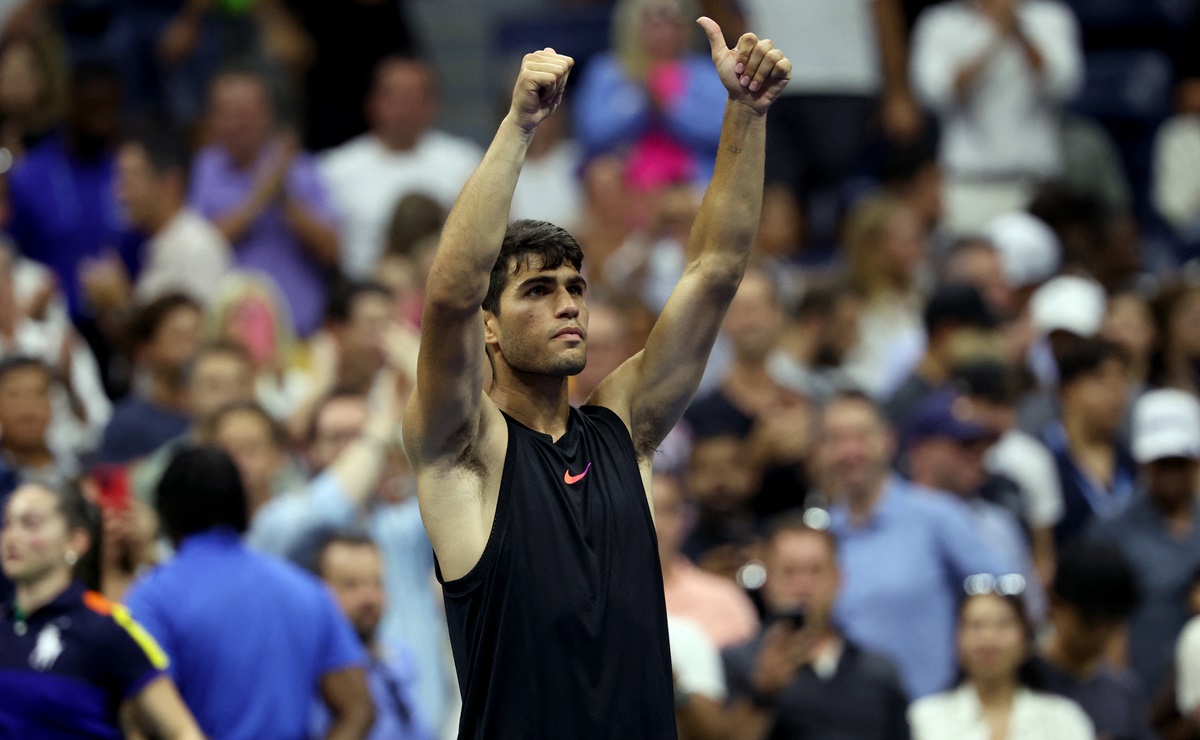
point(116, 628)
point(931, 712)
point(1063, 713)
point(873, 666)
point(447, 144)
point(1048, 10)
point(356, 152)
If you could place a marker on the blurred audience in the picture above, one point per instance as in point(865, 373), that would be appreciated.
point(32, 91)
point(1176, 185)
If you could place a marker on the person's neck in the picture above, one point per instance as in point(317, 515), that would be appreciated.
point(931, 369)
point(166, 393)
point(862, 503)
point(33, 457)
point(165, 216)
point(1083, 435)
point(801, 346)
point(1079, 668)
point(31, 596)
point(1178, 514)
point(749, 373)
point(398, 141)
point(540, 402)
point(996, 695)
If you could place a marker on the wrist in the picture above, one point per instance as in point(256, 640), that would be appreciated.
point(514, 125)
point(742, 111)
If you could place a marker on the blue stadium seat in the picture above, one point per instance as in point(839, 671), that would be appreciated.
point(1132, 85)
point(583, 32)
point(1109, 14)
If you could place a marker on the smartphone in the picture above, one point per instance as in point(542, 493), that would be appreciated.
point(795, 618)
point(112, 482)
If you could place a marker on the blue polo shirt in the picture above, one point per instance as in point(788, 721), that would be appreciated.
point(1084, 497)
point(903, 572)
point(249, 636)
point(66, 668)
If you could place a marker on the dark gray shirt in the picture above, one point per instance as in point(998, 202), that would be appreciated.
point(1113, 700)
point(862, 700)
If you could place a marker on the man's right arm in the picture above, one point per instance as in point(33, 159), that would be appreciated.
point(446, 408)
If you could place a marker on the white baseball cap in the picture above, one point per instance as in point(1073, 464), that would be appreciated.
point(1166, 423)
point(1029, 249)
point(1068, 303)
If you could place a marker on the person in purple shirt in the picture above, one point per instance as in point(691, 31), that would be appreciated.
point(265, 195)
point(64, 209)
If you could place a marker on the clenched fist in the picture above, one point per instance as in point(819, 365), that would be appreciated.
point(539, 87)
point(754, 72)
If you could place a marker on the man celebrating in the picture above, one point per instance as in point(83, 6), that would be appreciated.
point(539, 513)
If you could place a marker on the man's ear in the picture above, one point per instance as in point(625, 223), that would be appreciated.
point(490, 327)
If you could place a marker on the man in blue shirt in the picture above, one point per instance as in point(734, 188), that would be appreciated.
point(251, 638)
point(353, 568)
point(905, 550)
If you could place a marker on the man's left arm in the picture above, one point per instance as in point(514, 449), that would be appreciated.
point(652, 389)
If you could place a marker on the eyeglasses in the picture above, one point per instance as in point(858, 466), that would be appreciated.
point(1011, 584)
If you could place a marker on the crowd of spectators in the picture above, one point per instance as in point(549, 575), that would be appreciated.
point(942, 475)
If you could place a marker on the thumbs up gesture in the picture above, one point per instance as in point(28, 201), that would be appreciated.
point(754, 72)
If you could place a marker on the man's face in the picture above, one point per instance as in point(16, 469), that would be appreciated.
point(608, 345)
point(25, 407)
point(1100, 396)
point(754, 318)
point(175, 343)
point(719, 475)
point(355, 573)
point(402, 104)
point(854, 449)
point(1171, 481)
point(542, 325)
point(949, 465)
point(669, 516)
point(96, 111)
point(246, 437)
point(219, 379)
point(340, 422)
point(980, 267)
point(839, 334)
point(801, 574)
point(139, 188)
point(1082, 639)
point(367, 324)
point(240, 115)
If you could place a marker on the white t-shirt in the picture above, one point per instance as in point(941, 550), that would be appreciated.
point(1025, 460)
point(1187, 668)
point(695, 660)
point(956, 715)
point(1177, 172)
point(833, 44)
point(188, 255)
point(549, 188)
point(366, 181)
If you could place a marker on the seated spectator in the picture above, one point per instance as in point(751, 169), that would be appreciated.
point(946, 442)
point(802, 677)
point(1129, 323)
point(1095, 591)
point(289, 641)
point(903, 550)
point(1176, 185)
point(700, 691)
point(1029, 251)
point(265, 196)
point(997, 73)
point(353, 568)
point(716, 605)
point(1095, 471)
point(412, 237)
point(814, 343)
point(402, 153)
point(249, 311)
point(959, 326)
point(722, 481)
point(1159, 532)
point(111, 681)
point(1176, 362)
point(652, 98)
point(610, 343)
point(996, 695)
point(886, 251)
point(184, 252)
point(163, 336)
point(64, 205)
point(25, 413)
point(32, 91)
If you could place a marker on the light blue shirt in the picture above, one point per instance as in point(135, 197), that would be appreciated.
point(289, 523)
point(902, 578)
point(391, 676)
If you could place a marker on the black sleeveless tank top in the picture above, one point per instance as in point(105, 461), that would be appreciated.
point(559, 632)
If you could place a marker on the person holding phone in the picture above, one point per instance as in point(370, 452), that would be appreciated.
point(800, 677)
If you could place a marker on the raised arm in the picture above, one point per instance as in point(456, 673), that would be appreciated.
point(652, 389)
point(445, 411)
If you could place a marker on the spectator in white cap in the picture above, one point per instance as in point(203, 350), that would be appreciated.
point(1159, 533)
point(1028, 248)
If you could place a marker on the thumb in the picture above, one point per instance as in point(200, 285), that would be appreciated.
point(716, 39)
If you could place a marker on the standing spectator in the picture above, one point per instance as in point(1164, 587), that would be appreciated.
point(64, 206)
point(814, 343)
point(996, 695)
point(806, 679)
point(1095, 591)
point(401, 154)
point(32, 94)
point(163, 335)
point(353, 568)
point(886, 253)
point(716, 605)
point(904, 550)
point(653, 98)
point(1095, 470)
point(258, 637)
point(1176, 186)
point(73, 664)
point(1159, 533)
point(997, 73)
point(25, 413)
point(550, 187)
point(265, 195)
point(184, 252)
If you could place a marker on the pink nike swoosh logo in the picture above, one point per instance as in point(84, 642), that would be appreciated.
point(569, 479)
